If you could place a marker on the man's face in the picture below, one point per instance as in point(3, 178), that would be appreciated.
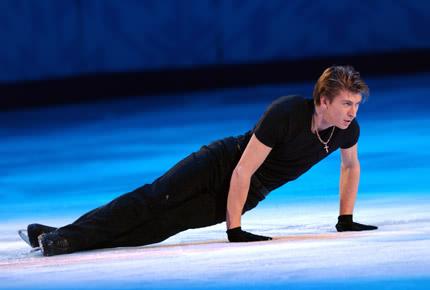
point(342, 110)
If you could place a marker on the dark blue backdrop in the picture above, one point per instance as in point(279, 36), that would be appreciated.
point(48, 38)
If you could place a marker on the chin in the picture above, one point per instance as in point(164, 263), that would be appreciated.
point(343, 126)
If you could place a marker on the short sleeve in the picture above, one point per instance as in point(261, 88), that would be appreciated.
point(269, 129)
point(350, 135)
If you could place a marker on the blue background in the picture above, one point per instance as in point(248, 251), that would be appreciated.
point(50, 39)
point(62, 161)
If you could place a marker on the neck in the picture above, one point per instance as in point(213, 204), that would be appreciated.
point(318, 121)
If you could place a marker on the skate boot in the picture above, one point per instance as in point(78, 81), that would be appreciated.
point(33, 231)
point(52, 244)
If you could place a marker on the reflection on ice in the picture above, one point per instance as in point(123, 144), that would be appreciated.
point(64, 165)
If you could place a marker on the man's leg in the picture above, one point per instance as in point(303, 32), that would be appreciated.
point(109, 221)
point(182, 183)
point(204, 210)
point(200, 211)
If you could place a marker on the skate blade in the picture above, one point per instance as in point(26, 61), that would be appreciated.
point(24, 236)
point(35, 249)
point(39, 239)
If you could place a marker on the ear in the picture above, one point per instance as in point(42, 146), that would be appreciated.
point(324, 101)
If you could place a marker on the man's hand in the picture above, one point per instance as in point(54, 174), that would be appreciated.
point(237, 235)
point(346, 224)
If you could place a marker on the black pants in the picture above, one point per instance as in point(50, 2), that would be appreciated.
point(192, 194)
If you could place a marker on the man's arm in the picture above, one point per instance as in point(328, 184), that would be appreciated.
point(253, 156)
point(349, 179)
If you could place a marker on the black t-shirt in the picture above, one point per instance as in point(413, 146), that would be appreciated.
point(286, 128)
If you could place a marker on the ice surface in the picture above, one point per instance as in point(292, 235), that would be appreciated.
point(306, 250)
point(58, 163)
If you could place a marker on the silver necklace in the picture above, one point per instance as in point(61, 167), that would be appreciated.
point(321, 140)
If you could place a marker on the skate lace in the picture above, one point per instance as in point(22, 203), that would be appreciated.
point(63, 243)
point(60, 243)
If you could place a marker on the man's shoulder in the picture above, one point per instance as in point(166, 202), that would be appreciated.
point(289, 99)
point(290, 102)
point(350, 135)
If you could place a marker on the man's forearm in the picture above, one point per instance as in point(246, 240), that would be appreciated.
point(349, 179)
point(238, 192)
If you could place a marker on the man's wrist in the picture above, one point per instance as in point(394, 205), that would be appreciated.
point(233, 225)
point(234, 230)
point(345, 218)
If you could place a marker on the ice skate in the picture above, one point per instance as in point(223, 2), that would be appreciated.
point(52, 244)
point(33, 231)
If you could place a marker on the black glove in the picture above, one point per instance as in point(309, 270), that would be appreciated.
point(346, 224)
point(237, 235)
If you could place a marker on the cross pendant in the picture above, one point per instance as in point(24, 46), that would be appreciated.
point(326, 148)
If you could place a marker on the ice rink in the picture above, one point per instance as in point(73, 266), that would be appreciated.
point(59, 162)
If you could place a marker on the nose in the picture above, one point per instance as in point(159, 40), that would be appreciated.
point(352, 112)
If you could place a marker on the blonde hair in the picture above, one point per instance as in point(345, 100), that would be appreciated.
point(337, 78)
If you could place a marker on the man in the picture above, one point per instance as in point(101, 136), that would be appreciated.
point(228, 177)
